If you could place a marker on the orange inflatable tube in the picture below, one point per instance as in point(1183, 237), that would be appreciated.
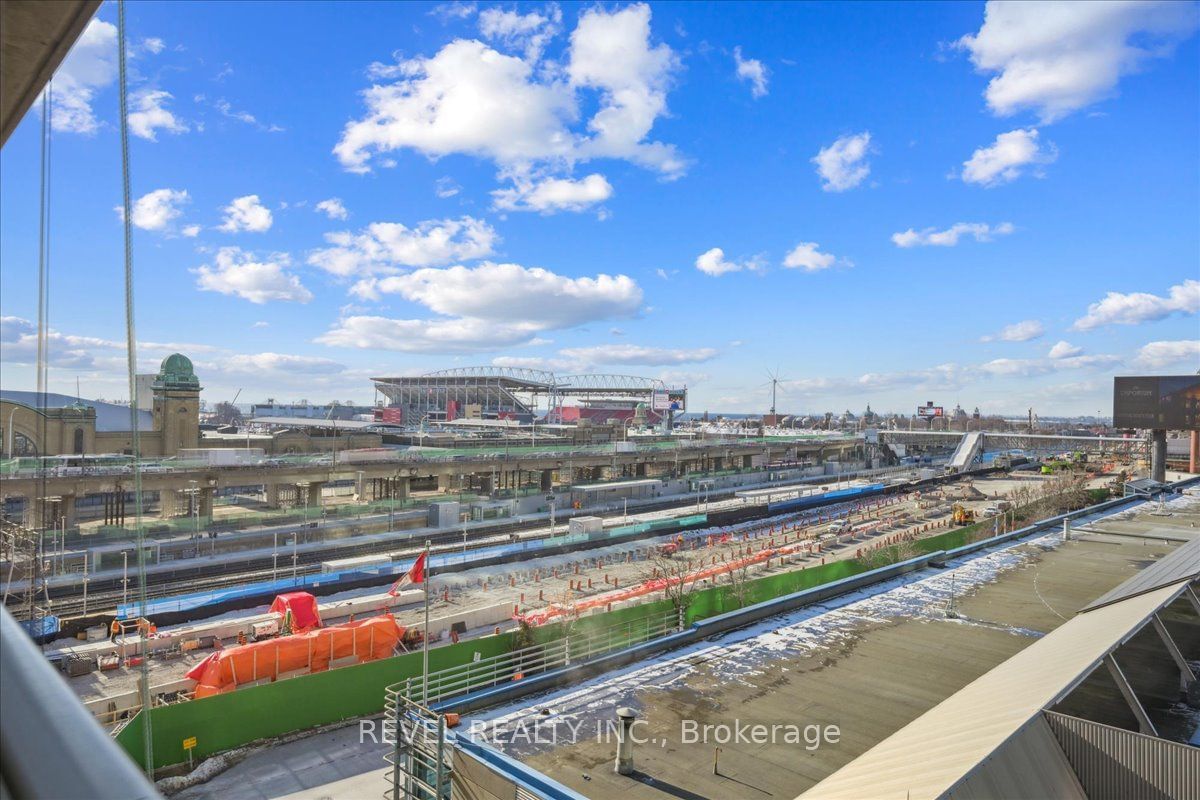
point(314, 651)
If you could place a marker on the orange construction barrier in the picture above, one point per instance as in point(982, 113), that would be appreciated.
point(367, 640)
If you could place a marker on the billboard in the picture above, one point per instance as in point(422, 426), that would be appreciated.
point(1157, 402)
point(930, 410)
point(393, 416)
point(660, 400)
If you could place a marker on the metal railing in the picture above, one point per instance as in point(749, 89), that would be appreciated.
point(34, 467)
point(575, 647)
point(420, 759)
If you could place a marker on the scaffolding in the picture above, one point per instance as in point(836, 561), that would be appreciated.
point(26, 592)
point(421, 760)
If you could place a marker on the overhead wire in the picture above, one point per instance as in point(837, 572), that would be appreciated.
point(41, 504)
point(131, 373)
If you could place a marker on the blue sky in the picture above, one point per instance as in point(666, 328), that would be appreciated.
point(888, 203)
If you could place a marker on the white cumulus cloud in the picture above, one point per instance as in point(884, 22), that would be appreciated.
point(156, 210)
point(980, 231)
point(237, 272)
point(713, 262)
point(554, 194)
point(528, 32)
point(1064, 350)
point(611, 53)
point(151, 115)
point(752, 71)
point(1058, 57)
point(510, 291)
point(808, 257)
point(91, 65)
point(470, 98)
point(333, 208)
point(439, 336)
point(246, 214)
point(486, 308)
point(843, 164)
point(1006, 159)
point(1135, 308)
point(1023, 331)
point(1156, 355)
point(385, 247)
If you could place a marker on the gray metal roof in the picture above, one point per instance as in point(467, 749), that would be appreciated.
point(1181, 563)
point(941, 749)
point(109, 416)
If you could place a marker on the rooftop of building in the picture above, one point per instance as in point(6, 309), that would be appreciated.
point(110, 417)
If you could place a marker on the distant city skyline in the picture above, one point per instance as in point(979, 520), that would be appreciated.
point(875, 202)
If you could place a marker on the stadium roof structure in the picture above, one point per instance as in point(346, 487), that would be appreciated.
point(537, 379)
point(505, 391)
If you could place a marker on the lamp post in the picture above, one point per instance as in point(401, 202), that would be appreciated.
point(392, 502)
point(194, 494)
point(274, 555)
point(9, 430)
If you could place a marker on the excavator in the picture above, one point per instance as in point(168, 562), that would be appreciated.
point(962, 515)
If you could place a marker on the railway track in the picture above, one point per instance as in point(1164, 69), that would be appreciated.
point(168, 584)
point(206, 576)
point(104, 595)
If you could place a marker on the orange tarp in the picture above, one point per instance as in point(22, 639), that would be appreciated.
point(303, 606)
point(368, 639)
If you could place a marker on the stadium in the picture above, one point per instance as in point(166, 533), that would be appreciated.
point(525, 395)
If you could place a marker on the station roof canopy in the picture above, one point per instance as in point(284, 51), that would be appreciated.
point(309, 422)
point(617, 485)
point(478, 423)
point(778, 491)
point(1183, 563)
point(946, 750)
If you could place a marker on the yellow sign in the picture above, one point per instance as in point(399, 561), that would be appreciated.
point(189, 743)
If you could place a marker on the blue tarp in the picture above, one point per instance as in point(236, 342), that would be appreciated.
point(825, 498)
point(46, 626)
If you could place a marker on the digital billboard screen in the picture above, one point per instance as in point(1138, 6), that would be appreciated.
point(1157, 402)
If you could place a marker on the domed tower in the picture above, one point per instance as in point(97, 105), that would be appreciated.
point(177, 404)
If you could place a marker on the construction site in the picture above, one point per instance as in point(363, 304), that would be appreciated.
point(271, 604)
point(501, 582)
